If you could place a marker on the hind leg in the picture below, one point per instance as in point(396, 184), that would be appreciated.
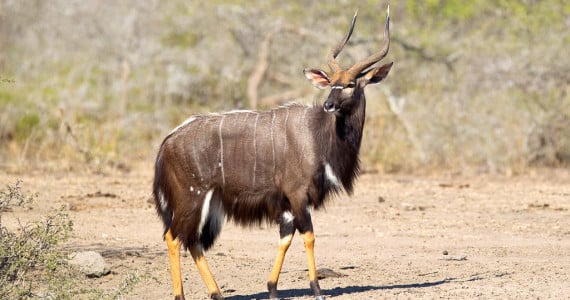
point(173, 245)
point(198, 255)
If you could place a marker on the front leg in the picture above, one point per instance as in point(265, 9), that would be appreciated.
point(286, 232)
point(309, 239)
point(305, 227)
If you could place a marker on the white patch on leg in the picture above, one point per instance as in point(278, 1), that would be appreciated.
point(288, 217)
point(162, 202)
point(331, 176)
point(205, 211)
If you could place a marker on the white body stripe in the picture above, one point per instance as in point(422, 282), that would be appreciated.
point(255, 147)
point(331, 176)
point(205, 211)
point(303, 121)
point(286, 119)
point(273, 138)
point(222, 150)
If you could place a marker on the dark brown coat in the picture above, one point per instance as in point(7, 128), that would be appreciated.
point(254, 163)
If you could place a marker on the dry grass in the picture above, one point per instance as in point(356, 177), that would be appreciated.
point(97, 85)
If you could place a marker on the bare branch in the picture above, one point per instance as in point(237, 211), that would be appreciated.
point(447, 60)
point(255, 78)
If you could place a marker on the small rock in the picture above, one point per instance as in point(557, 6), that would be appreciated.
point(327, 273)
point(459, 257)
point(90, 263)
point(445, 252)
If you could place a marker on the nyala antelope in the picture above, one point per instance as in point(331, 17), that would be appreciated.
point(264, 166)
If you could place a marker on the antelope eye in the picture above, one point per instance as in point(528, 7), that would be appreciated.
point(350, 85)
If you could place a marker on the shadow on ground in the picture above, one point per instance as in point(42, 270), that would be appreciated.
point(349, 290)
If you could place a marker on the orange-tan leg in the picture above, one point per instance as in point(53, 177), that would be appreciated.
point(173, 245)
point(284, 244)
point(200, 260)
point(309, 239)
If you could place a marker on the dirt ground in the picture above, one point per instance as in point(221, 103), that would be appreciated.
point(505, 238)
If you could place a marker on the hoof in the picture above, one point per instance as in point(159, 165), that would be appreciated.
point(321, 297)
point(216, 297)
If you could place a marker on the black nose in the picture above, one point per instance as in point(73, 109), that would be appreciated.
point(328, 106)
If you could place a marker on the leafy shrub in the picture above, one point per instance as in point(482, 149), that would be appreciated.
point(31, 264)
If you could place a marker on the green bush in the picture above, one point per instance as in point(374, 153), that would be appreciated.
point(31, 264)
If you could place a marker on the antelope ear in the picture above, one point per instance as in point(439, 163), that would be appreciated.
point(377, 74)
point(318, 78)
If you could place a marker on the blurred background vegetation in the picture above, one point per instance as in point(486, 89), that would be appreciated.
point(481, 85)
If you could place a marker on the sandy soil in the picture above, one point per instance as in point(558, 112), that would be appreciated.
point(505, 238)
